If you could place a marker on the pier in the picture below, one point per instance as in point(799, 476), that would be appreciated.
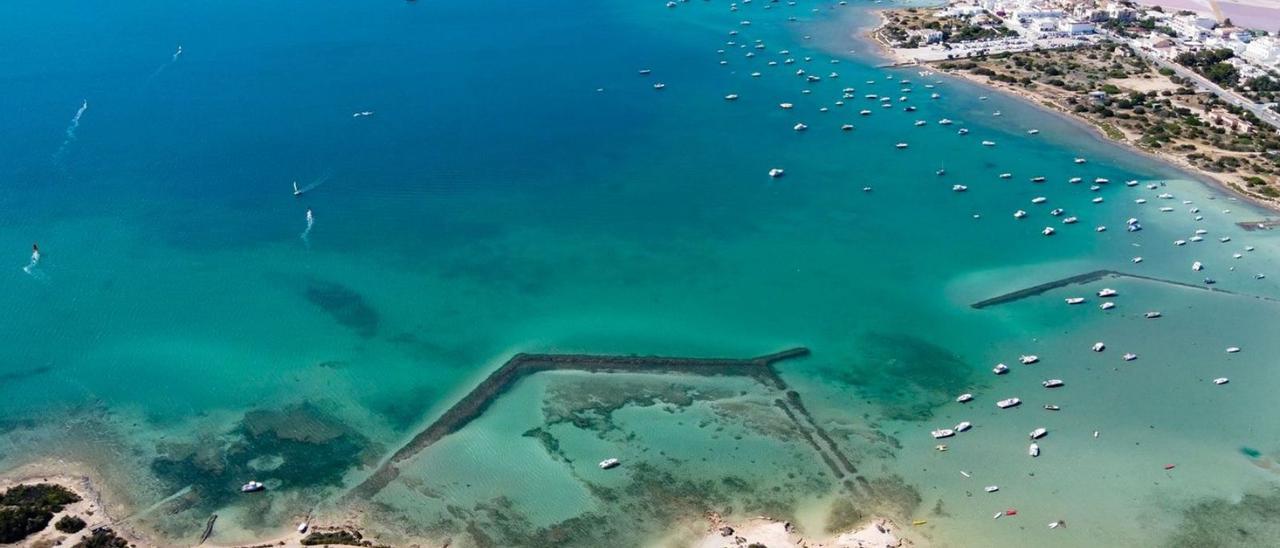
point(519, 366)
point(1094, 276)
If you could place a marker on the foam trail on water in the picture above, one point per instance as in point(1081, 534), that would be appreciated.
point(71, 131)
point(306, 234)
point(176, 54)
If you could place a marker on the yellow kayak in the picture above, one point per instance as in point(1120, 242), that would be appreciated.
point(919, 522)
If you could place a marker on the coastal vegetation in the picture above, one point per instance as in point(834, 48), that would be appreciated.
point(916, 27)
point(1132, 102)
point(69, 524)
point(28, 509)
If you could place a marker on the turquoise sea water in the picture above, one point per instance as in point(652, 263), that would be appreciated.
point(521, 188)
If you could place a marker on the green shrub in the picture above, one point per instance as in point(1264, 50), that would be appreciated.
point(69, 524)
point(19, 522)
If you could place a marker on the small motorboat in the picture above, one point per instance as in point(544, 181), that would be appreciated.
point(1051, 407)
point(1053, 383)
point(1038, 433)
point(1099, 346)
point(786, 106)
point(1080, 160)
point(776, 172)
point(1019, 214)
point(1007, 403)
point(731, 97)
point(991, 488)
point(1048, 231)
point(1033, 132)
point(1107, 305)
point(1000, 369)
point(1233, 349)
point(1136, 260)
point(1028, 359)
point(252, 487)
point(1070, 220)
point(1057, 211)
point(1075, 300)
point(1037, 179)
point(846, 127)
point(1102, 180)
point(1129, 356)
point(1039, 200)
point(901, 145)
point(609, 463)
point(988, 143)
point(1197, 266)
point(942, 433)
point(659, 85)
point(296, 191)
point(800, 127)
point(1221, 380)
point(1034, 450)
point(1074, 180)
point(1006, 175)
point(302, 527)
point(1151, 315)
point(964, 426)
point(944, 122)
point(1108, 292)
point(959, 188)
point(963, 131)
point(965, 398)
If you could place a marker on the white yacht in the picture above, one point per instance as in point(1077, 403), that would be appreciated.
point(1019, 214)
point(1006, 175)
point(1080, 160)
point(1038, 433)
point(1233, 349)
point(1052, 383)
point(901, 145)
point(965, 398)
point(1136, 260)
point(1074, 180)
point(944, 122)
point(1097, 200)
point(1000, 369)
point(1051, 407)
point(776, 172)
point(1028, 359)
point(786, 106)
point(1034, 450)
point(731, 97)
point(1011, 402)
point(800, 127)
point(1152, 315)
point(920, 123)
point(1129, 356)
point(942, 433)
point(609, 463)
point(1197, 266)
point(846, 127)
point(1033, 132)
point(1070, 220)
point(1048, 231)
point(1099, 346)
point(252, 487)
point(1037, 179)
point(988, 143)
point(1131, 182)
point(991, 488)
point(1107, 305)
point(1039, 200)
point(1221, 380)
point(1075, 300)
point(659, 85)
point(1102, 180)
point(959, 188)
point(1108, 292)
point(962, 131)
point(963, 426)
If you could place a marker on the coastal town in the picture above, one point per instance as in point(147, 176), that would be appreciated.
point(1196, 90)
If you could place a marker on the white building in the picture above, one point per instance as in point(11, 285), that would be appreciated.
point(1263, 51)
point(1075, 28)
point(1192, 27)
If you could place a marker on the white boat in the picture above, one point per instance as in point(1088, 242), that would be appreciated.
point(362, 114)
point(1038, 433)
point(1075, 300)
point(1051, 407)
point(609, 463)
point(1039, 200)
point(864, 112)
point(296, 191)
point(1179, 242)
point(1080, 160)
point(988, 143)
point(1097, 200)
point(1197, 266)
point(1011, 402)
point(1099, 346)
point(991, 488)
point(966, 474)
point(1102, 180)
point(1248, 248)
point(302, 527)
point(800, 127)
point(1131, 182)
point(1108, 292)
point(1129, 356)
point(1056, 211)
point(1100, 228)
point(731, 97)
point(1224, 239)
point(1048, 231)
point(776, 172)
point(1033, 132)
point(963, 426)
point(1197, 239)
point(1070, 220)
point(785, 106)
point(1019, 214)
point(901, 145)
point(965, 398)
point(1152, 315)
point(1136, 260)
point(959, 188)
point(963, 131)
point(1006, 175)
point(920, 123)
point(1034, 450)
point(942, 433)
point(1000, 369)
point(1221, 380)
point(1074, 180)
point(1053, 383)
point(659, 85)
point(1107, 305)
point(1028, 359)
point(1037, 179)
point(944, 122)
point(252, 487)
point(1233, 349)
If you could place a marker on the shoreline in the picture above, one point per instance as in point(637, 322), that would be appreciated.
point(1179, 164)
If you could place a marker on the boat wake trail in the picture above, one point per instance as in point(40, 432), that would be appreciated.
point(306, 234)
point(71, 132)
point(176, 55)
point(32, 267)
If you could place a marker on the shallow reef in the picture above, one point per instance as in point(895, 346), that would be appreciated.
point(1253, 521)
point(901, 374)
point(348, 307)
